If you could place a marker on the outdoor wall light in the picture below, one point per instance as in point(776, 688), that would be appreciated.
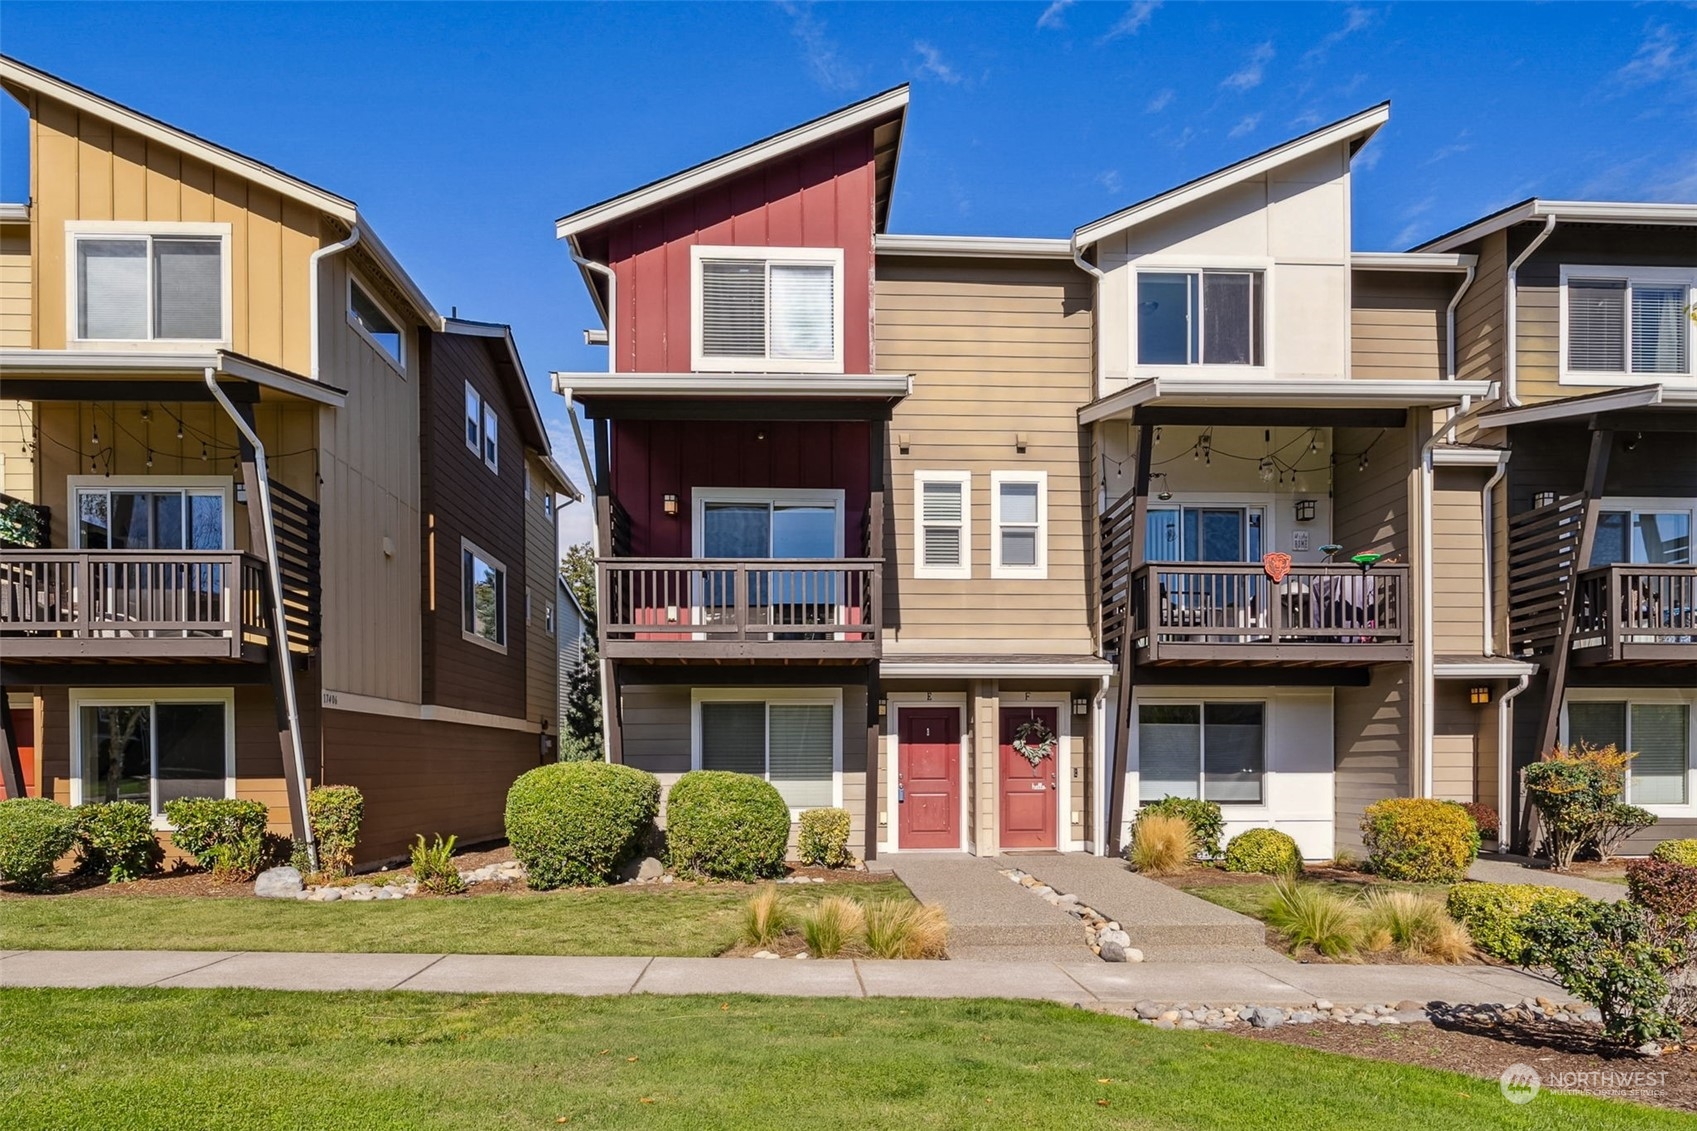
point(1479, 696)
point(902, 442)
point(883, 707)
point(1020, 442)
point(1543, 499)
point(1305, 510)
point(1080, 705)
point(669, 504)
point(241, 493)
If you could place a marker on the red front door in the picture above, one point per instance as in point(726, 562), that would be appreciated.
point(23, 730)
point(1029, 791)
point(928, 778)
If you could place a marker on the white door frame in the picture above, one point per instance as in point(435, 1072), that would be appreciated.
point(896, 700)
point(1062, 702)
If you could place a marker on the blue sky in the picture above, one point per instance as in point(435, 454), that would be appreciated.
point(463, 131)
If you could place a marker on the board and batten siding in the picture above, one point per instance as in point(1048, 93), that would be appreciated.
point(1397, 325)
point(998, 351)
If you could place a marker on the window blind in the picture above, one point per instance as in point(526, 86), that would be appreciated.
point(1658, 328)
point(1600, 724)
point(1019, 524)
point(733, 308)
point(1169, 751)
point(188, 289)
point(733, 737)
point(803, 308)
point(112, 289)
point(1596, 324)
point(799, 753)
point(1661, 735)
point(941, 515)
point(1234, 747)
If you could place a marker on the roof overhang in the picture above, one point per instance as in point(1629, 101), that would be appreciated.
point(1463, 455)
point(14, 213)
point(1356, 128)
point(501, 335)
point(1013, 667)
point(18, 365)
point(1411, 261)
point(735, 386)
point(1484, 667)
point(567, 487)
point(973, 247)
point(1576, 211)
point(1279, 393)
point(1581, 408)
point(889, 104)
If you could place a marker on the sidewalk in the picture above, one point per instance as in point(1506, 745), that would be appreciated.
point(1088, 984)
point(1513, 870)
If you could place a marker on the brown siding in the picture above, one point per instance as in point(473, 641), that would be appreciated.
point(541, 567)
point(1370, 511)
point(1397, 325)
point(997, 350)
point(1371, 736)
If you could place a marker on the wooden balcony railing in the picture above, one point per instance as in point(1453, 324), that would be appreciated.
point(71, 605)
point(1194, 612)
point(723, 608)
point(1636, 613)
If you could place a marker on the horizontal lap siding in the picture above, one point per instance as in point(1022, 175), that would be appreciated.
point(1370, 511)
point(542, 564)
point(1479, 340)
point(1372, 734)
point(1458, 562)
point(997, 350)
point(1397, 325)
point(15, 290)
point(1463, 746)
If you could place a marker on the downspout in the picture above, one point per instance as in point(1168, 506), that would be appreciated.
point(1084, 264)
point(1449, 333)
point(1487, 513)
point(312, 282)
point(279, 631)
point(1099, 762)
point(1511, 379)
point(612, 312)
point(1505, 763)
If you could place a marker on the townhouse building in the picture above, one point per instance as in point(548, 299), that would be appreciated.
point(271, 520)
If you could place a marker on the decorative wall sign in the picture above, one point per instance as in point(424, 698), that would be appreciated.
point(1277, 565)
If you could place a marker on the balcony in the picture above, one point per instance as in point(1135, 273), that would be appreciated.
point(1636, 614)
point(70, 605)
point(767, 610)
point(1319, 615)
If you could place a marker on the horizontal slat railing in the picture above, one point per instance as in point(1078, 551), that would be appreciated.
point(1635, 604)
point(1241, 604)
point(724, 599)
point(131, 595)
point(1542, 546)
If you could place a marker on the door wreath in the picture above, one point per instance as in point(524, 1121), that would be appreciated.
point(1033, 741)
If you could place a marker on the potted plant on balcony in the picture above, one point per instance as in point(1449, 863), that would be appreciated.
point(20, 524)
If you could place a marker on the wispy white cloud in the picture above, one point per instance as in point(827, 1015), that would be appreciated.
point(1355, 18)
point(1664, 53)
point(820, 52)
point(1444, 152)
point(932, 64)
point(1415, 222)
point(1249, 76)
point(1245, 125)
point(1368, 159)
point(1110, 181)
point(1159, 101)
point(1183, 138)
point(1054, 16)
point(1133, 21)
point(1646, 177)
point(1307, 120)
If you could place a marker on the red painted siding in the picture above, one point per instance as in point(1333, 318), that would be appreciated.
point(659, 457)
point(819, 197)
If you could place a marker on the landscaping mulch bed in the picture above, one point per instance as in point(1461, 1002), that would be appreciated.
point(1569, 1057)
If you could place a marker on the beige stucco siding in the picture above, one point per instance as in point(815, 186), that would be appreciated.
point(1397, 325)
point(997, 351)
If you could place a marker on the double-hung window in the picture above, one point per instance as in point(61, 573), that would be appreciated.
point(152, 747)
point(1200, 317)
point(1621, 324)
point(794, 743)
point(1213, 751)
point(768, 309)
point(483, 591)
point(482, 429)
point(374, 323)
point(165, 284)
point(1658, 731)
point(1019, 519)
point(942, 506)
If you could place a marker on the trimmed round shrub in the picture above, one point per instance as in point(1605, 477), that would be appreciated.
point(224, 835)
point(1664, 888)
point(725, 825)
point(1419, 840)
point(34, 833)
point(1493, 913)
point(1207, 823)
point(823, 838)
point(572, 824)
point(115, 840)
point(1267, 851)
point(335, 812)
point(1676, 852)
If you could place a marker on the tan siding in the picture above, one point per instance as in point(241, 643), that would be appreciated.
point(16, 302)
point(1372, 735)
point(983, 716)
point(1370, 512)
point(1537, 337)
point(1397, 325)
point(1479, 315)
point(1464, 750)
point(996, 351)
point(17, 429)
point(1458, 550)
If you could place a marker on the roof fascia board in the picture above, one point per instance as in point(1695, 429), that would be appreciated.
point(14, 213)
point(1360, 125)
point(990, 668)
point(560, 477)
point(737, 161)
point(1483, 669)
point(1581, 211)
point(496, 331)
point(1573, 407)
point(1410, 261)
point(988, 247)
point(711, 385)
point(386, 259)
point(1283, 392)
point(19, 361)
point(1443, 456)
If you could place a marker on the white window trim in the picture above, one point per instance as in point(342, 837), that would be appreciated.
point(81, 697)
point(468, 546)
point(796, 696)
point(1636, 505)
point(1566, 376)
point(113, 229)
point(1268, 504)
point(998, 569)
point(800, 256)
point(548, 616)
point(204, 483)
point(1242, 811)
point(484, 415)
point(963, 571)
point(889, 828)
point(398, 364)
point(1675, 695)
point(701, 496)
point(1187, 263)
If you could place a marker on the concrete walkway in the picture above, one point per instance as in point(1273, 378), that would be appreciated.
point(990, 916)
point(1515, 870)
point(1091, 983)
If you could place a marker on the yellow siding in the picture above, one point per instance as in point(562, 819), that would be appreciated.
point(1397, 325)
point(996, 351)
point(15, 299)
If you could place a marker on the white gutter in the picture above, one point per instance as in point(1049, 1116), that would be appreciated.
point(1487, 512)
point(1099, 765)
point(279, 627)
point(1084, 265)
point(1449, 333)
point(312, 283)
point(1511, 378)
point(1505, 763)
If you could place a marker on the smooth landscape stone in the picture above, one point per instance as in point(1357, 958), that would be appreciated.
point(277, 883)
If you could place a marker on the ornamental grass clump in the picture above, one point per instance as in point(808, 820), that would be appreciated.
point(434, 868)
point(115, 841)
point(1207, 822)
point(573, 824)
point(1162, 844)
point(899, 928)
point(765, 918)
point(34, 833)
point(836, 926)
point(1419, 840)
point(224, 835)
point(1309, 915)
point(1415, 925)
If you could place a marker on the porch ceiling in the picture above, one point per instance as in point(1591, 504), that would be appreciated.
point(85, 375)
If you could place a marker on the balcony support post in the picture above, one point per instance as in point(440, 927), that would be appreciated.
point(873, 793)
point(1122, 715)
point(11, 761)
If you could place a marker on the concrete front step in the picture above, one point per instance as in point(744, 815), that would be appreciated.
point(1152, 914)
point(985, 909)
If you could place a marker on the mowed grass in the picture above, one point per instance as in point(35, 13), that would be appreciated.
point(670, 921)
point(212, 1059)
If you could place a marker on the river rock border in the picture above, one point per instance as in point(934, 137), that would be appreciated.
point(1405, 1012)
point(1102, 935)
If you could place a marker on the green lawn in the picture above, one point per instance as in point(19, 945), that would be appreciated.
point(1250, 899)
point(672, 921)
point(173, 1059)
